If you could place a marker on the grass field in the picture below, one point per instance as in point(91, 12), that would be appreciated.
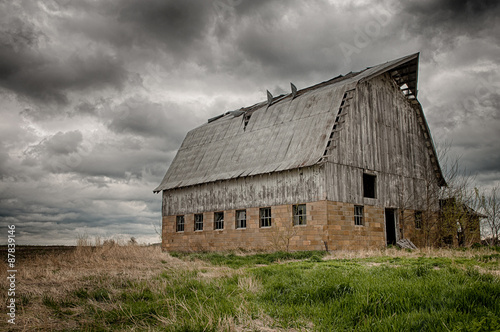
point(139, 288)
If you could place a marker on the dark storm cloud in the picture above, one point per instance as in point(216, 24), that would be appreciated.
point(446, 19)
point(48, 79)
point(142, 117)
point(171, 26)
point(174, 23)
point(166, 121)
point(32, 69)
point(461, 12)
point(274, 40)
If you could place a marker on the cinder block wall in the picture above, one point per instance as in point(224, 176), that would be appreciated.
point(304, 237)
point(327, 222)
point(344, 235)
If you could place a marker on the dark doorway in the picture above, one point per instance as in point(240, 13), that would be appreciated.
point(390, 226)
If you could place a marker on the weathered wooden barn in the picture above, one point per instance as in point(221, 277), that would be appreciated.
point(337, 165)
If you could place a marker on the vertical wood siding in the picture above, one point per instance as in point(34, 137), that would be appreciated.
point(287, 187)
point(381, 134)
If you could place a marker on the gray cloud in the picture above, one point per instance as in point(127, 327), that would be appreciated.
point(63, 143)
point(168, 26)
point(42, 72)
point(48, 79)
point(174, 23)
point(440, 23)
point(142, 117)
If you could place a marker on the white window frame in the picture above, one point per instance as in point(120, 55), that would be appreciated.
point(265, 219)
point(241, 219)
point(299, 214)
point(219, 220)
point(198, 222)
point(359, 218)
point(179, 223)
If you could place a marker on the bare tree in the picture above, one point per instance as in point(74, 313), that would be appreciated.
point(444, 211)
point(282, 236)
point(158, 229)
point(490, 206)
point(458, 220)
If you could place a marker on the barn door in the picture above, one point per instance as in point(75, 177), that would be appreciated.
point(390, 226)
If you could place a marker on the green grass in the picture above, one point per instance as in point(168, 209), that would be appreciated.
point(298, 290)
point(345, 296)
point(236, 261)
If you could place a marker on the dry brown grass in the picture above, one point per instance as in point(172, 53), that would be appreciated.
point(394, 252)
point(58, 275)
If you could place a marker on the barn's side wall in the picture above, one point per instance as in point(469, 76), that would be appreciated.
point(270, 189)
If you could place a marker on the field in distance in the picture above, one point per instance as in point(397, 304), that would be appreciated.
point(131, 287)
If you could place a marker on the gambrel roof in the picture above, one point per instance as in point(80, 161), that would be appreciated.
point(283, 133)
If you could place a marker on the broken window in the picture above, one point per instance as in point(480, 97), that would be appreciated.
point(241, 219)
point(358, 215)
point(418, 219)
point(219, 220)
point(198, 222)
point(369, 185)
point(179, 224)
point(299, 214)
point(265, 217)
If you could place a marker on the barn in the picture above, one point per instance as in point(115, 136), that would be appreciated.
point(347, 164)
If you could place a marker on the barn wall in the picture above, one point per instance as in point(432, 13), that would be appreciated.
point(380, 132)
point(288, 187)
point(345, 184)
point(343, 234)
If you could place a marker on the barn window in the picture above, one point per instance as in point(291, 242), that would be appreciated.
point(179, 223)
point(198, 222)
point(219, 220)
point(265, 217)
point(299, 214)
point(369, 185)
point(241, 219)
point(358, 215)
point(418, 219)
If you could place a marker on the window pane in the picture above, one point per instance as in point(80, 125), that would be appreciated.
point(241, 219)
point(179, 223)
point(299, 214)
point(265, 217)
point(358, 215)
point(198, 222)
point(219, 220)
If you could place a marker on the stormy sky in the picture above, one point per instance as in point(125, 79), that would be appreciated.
point(97, 96)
